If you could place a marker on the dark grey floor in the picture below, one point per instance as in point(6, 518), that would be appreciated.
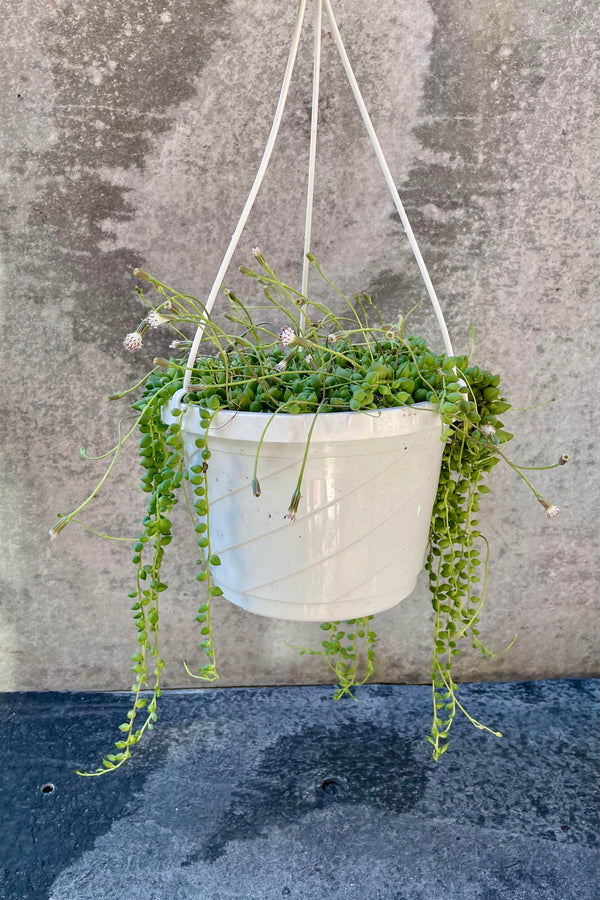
point(280, 792)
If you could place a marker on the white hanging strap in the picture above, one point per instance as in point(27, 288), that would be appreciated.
point(253, 192)
point(311, 175)
point(389, 180)
point(312, 157)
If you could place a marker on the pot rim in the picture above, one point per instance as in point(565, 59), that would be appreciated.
point(347, 425)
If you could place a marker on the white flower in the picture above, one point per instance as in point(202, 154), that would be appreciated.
point(133, 341)
point(154, 319)
point(287, 336)
point(281, 366)
point(256, 252)
point(293, 507)
point(488, 430)
point(551, 509)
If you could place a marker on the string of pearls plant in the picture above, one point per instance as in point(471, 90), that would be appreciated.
point(348, 361)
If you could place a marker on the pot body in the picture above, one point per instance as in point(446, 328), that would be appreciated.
point(361, 530)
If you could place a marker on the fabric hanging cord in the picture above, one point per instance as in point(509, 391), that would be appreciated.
point(253, 192)
point(389, 180)
point(312, 156)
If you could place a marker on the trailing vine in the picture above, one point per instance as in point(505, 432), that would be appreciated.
point(199, 479)
point(336, 362)
point(342, 651)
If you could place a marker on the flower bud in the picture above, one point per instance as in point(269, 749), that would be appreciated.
point(58, 527)
point(256, 253)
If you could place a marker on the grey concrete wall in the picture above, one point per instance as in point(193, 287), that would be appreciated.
point(132, 131)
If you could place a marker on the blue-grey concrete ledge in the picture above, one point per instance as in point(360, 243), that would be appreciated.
point(264, 793)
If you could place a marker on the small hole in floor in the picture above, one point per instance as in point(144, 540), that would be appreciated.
point(330, 785)
point(564, 827)
point(47, 788)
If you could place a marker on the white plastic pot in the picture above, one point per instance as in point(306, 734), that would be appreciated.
point(359, 539)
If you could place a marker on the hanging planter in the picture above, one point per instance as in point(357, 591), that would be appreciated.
point(377, 445)
point(361, 530)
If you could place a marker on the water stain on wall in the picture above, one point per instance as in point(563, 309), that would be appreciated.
point(117, 71)
point(482, 77)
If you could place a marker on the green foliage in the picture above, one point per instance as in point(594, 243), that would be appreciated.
point(320, 362)
point(453, 561)
point(343, 650)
